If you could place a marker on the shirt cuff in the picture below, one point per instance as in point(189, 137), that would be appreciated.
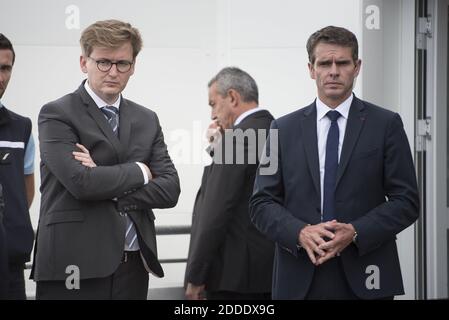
point(145, 176)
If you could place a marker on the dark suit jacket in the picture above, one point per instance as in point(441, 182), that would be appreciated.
point(376, 191)
point(3, 252)
point(226, 251)
point(79, 223)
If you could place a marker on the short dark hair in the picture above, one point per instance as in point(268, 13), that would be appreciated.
point(333, 35)
point(237, 79)
point(5, 44)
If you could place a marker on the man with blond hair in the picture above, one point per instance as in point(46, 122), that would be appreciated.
point(104, 167)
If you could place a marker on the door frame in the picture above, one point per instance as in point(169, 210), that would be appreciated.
point(432, 241)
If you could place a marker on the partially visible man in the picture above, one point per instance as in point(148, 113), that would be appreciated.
point(228, 258)
point(345, 187)
point(3, 252)
point(96, 236)
point(17, 178)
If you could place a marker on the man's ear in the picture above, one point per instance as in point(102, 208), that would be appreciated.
point(311, 70)
point(234, 97)
point(358, 65)
point(132, 68)
point(83, 63)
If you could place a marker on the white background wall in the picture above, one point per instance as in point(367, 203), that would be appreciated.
point(186, 42)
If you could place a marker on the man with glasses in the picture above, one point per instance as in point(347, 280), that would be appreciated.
point(104, 167)
point(17, 179)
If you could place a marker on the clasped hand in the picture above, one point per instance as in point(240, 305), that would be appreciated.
point(325, 240)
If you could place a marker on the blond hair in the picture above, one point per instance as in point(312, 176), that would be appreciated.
point(110, 34)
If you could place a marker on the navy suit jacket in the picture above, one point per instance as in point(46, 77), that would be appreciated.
point(376, 191)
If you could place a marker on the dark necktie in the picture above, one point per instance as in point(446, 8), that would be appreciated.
point(330, 167)
point(112, 115)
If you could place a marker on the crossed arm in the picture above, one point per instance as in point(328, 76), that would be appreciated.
point(152, 195)
point(87, 181)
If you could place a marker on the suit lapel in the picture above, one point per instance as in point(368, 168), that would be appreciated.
point(99, 118)
point(356, 119)
point(310, 143)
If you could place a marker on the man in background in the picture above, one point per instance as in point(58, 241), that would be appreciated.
point(17, 179)
point(228, 258)
point(3, 252)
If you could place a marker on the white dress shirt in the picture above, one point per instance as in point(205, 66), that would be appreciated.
point(323, 124)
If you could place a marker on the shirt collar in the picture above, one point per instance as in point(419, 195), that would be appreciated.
point(98, 101)
point(343, 108)
point(246, 114)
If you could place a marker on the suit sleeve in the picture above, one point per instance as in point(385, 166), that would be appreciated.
point(266, 204)
point(163, 190)
point(402, 208)
point(57, 139)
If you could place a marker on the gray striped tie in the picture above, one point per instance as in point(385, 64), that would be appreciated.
point(112, 115)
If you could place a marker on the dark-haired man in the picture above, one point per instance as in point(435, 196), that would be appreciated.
point(17, 179)
point(345, 187)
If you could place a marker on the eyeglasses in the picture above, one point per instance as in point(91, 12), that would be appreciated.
point(105, 65)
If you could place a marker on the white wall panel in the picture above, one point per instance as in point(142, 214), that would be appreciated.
point(287, 23)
